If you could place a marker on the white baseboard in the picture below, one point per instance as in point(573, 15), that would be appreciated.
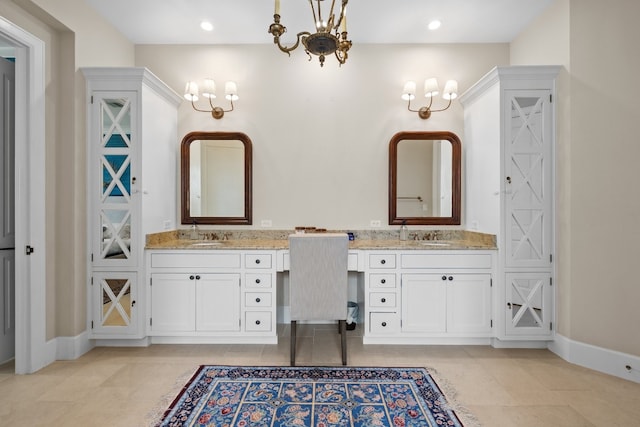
point(70, 348)
point(599, 359)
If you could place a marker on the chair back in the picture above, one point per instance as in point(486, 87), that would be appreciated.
point(318, 276)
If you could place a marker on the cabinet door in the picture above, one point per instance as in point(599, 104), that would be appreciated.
point(114, 297)
point(528, 178)
point(424, 303)
point(112, 167)
point(469, 303)
point(173, 298)
point(529, 304)
point(218, 302)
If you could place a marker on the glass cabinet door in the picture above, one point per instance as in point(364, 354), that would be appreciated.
point(528, 175)
point(114, 150)
point(528, 304)
point(115, 299)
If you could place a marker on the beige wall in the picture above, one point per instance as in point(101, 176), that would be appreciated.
point(321, 135)
point(598, 199)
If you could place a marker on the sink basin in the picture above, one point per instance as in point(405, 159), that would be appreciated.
point(205, 244)
point(435, 244)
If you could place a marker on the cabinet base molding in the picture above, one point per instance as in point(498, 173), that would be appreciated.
point(427, 340)
point(238, 339)
point(143, 342)
point(498, 343)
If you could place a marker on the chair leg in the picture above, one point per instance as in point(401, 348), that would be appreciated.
point(343, 338)
point(293, 343)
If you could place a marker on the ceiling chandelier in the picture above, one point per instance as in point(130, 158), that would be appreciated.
point(330, 36)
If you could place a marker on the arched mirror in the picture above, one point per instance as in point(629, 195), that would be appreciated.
point(424, 178)
point(216, 178)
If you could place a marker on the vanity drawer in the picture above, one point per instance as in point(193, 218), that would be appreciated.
point(257, 299)
point(257, 261)
point(448, 261)
point(257, 280)
point(195, 260)
point(382, 299)
point(384, 323)
point(382, 280)
point(382, 261)
point(257, 321)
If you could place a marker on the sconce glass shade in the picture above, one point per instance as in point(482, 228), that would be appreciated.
point(409, 91)
point(450, 90)
point(209, 89)
point(191, 91)
point(431, 87)
point(231, 91)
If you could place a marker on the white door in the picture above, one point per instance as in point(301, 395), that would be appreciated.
point(7, 210)
point(424, 303)
point(173, 297)
point(469, 304)
point(218, 302)
point(529, 304)
point(528, 173)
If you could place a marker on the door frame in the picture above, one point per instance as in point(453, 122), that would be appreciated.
point(32, 350)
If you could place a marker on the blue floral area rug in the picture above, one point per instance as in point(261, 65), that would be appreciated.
point(228, 396)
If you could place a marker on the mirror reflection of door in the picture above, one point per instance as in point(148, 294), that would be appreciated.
point(424, 191)
point(217, 178)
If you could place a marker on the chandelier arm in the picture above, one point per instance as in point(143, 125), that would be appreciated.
point(445, 108)
point(313, 10)
point(199, 109)
point(286, 49)
point(409, 107)
point(228, 111)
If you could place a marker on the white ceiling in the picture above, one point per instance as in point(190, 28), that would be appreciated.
point(369, 21)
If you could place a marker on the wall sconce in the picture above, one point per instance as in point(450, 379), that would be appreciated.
point(430, 90)
point(209, 91)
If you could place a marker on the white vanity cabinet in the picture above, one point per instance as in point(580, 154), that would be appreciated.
point(132, 124)
point(509, 119)
point(429, 296)
point(211, 296)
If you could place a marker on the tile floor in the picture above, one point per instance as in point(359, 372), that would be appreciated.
point(499, 387)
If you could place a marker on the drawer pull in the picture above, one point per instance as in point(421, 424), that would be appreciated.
point(383, 300)
point(257, 299)
point(384, 324)
point(257, 261)
point(257, 281)
point(257, 322)
point(383, 281)
point(384, 261)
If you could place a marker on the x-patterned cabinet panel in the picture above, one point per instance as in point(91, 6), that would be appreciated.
point(528, 304)
point(115, 310)
point(528, 175)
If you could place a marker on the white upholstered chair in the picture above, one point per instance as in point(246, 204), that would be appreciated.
point(318, 280)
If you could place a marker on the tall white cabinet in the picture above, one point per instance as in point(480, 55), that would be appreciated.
point(509, 120)
point(132, 139)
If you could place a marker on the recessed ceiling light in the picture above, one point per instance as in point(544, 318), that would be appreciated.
point(206, 25)
point(434, 25)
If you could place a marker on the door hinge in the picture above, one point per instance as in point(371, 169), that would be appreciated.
point(550, 257)
point(150, 321)
point(91, 257)
point(550, 281)
point(151, 281)
point(550, 97)
point(491, 323)
point(29, 250)
point(551, 326)
point(91, 280)
point(239, 322)
point(491, 282)
point(92, 324)
point(92, 99)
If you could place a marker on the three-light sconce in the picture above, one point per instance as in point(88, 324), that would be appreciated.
point(431, 89)
point(191, 93)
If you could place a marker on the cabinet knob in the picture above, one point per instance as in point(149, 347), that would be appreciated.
point(257, 261)
point(257, 281)
point(384, 261)
point(383, 281)
point(257, 322)
point(509, 305)
point(257, 299)
point(450, 277)
point(383, 300)
point(191, 277)
point(444, 277)
point(384, 324)
point(133, 303)
point(509, 180)
point(197, 277)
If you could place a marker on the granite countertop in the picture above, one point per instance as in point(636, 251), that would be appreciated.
point(458, 240)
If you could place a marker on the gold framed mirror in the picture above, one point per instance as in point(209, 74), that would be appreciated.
point(216, 178)
point(424, 178)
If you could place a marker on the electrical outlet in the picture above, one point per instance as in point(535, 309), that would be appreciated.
point(265, 223)
point(375, 223)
